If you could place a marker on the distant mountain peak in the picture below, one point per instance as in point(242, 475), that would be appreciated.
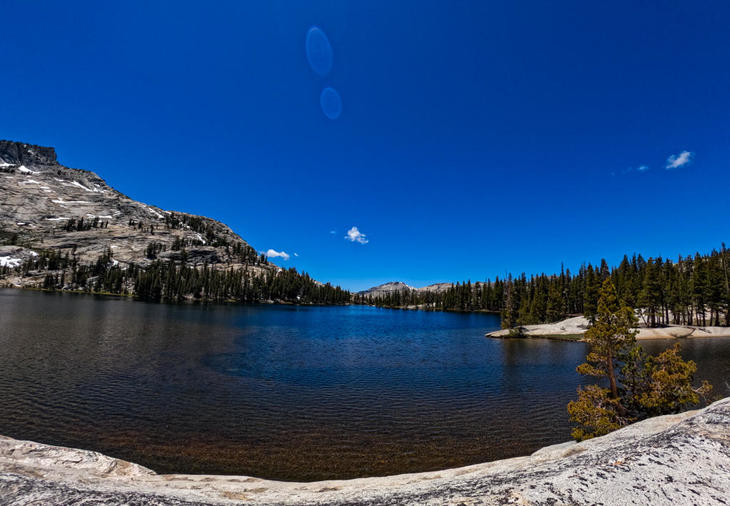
point(386, 288)
point(396, 285)
point(399, 286)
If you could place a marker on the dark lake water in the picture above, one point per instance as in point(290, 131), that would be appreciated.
point(294, 393)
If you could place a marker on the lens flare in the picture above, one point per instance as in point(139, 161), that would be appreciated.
point(319, 51)
point(331, 103)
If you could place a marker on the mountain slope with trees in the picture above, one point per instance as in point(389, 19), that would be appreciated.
point(66, 229)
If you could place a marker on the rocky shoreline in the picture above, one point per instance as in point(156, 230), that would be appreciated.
point(673, 459)
point(574, 328)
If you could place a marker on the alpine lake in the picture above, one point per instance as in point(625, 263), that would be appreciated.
point(287, 392)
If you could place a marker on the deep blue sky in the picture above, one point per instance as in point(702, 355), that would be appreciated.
point(475, 138)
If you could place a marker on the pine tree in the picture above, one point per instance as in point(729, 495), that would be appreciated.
point(650, 295)
point(639, 385)
point(595, 412)
point(610, 337)
point(555, 305)
point(668, 384)
point(591, 293)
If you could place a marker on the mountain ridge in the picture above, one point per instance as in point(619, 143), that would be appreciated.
point(399, 286)
point(41, 197)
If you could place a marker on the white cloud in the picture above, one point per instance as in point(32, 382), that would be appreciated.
point(296, 254)
point(332, 232)
point(680, 160)
point(640, 168)
point(354, 235)
point(272, 253)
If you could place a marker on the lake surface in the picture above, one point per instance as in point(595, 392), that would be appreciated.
point(293, 393)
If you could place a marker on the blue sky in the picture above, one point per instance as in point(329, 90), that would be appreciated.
point(471, 139)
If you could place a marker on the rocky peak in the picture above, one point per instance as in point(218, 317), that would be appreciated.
point(399, 286)
point(387, 288)
point(20, 153)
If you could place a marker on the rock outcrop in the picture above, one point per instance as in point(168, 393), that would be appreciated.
point(576, 326)
point(675, 459)
point(18, 153)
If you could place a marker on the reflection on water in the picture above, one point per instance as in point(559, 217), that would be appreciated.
point(284, 392)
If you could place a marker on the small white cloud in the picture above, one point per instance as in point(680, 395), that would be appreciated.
point(272, 253)
point(640, 168)
point(354, 235)
point(332, 232)
point(680, 160)
point(296, 254)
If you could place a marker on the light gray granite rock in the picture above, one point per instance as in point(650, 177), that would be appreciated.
point(576, 327)
point(399, 286)
point(675, 459)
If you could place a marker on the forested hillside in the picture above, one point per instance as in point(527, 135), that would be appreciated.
point(173, 281)
point(693, 290)
point(67, 229)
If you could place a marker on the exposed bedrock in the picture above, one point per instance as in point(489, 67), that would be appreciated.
point(674, 459)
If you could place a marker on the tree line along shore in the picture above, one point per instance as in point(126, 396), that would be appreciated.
point(171, 280)
point(690, 291)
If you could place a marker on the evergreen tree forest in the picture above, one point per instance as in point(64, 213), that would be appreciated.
point(174, 281)
point(692, 290)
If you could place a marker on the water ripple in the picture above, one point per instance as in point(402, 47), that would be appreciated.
point(282, 392)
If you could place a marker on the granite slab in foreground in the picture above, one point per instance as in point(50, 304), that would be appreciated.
point(675, 459)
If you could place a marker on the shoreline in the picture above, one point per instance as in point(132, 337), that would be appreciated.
point(644, 462)
point(429, 309)
point(573, 329)
point(184, 302)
